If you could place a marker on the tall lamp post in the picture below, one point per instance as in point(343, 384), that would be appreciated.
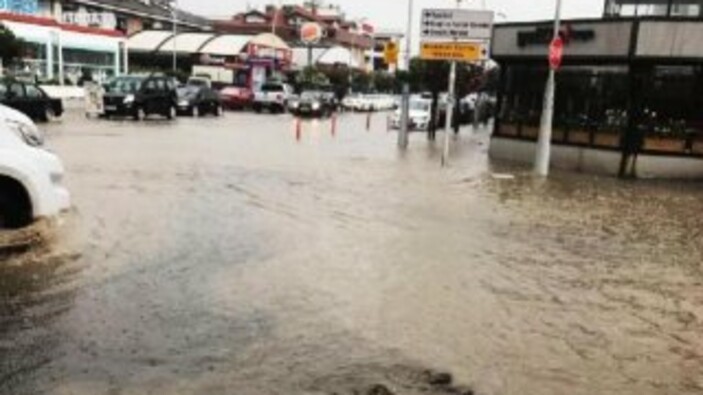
point(174, 14)
point(544, 142)
point(405, 106)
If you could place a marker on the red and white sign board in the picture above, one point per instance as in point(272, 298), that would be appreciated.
point(556, 53)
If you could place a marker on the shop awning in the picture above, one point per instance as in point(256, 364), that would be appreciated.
point(270, 41)
point(226, 45)
point(186, 43)
point(148, 40)
point(338, 55)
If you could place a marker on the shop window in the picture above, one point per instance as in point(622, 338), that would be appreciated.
point(671, 102)
point(590, 100)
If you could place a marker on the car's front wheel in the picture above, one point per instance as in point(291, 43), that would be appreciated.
point(15, 207)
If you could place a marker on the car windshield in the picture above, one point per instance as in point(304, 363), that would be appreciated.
point(198, 82)
point(311, 95)
point(125, 84)
point(419, 105)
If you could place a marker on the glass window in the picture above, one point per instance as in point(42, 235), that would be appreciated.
point(161, 84)
point(33, 92)
point(686, 8)
point(3, 91)
point(151, 85)
point(17, 90)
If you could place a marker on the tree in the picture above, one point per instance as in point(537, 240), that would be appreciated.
point(10, 46)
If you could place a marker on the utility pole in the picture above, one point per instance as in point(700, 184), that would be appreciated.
point(405, 103)
point(450, 106)
point(543, 153)
point(174, 11)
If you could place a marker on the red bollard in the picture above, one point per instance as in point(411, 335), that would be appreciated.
point(368, 122)
point(298, 129)
point(334, 124)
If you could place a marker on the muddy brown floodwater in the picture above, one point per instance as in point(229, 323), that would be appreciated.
point(228, 257)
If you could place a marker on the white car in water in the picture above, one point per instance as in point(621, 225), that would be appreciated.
point(30, 176)
point(419, 115)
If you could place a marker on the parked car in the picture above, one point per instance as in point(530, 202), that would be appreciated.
point(419, 115)
point(236, 98)
point(198, 100)
point(314, 103)
point(29, 99)
point(351, 102)
point(30, 176)
point(199, 81)
point(139, 96)
point(272, 97)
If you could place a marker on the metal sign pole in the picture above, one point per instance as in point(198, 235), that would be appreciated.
point(450, 106)
point(544, 142)
point(450, 113)
point(405, 103)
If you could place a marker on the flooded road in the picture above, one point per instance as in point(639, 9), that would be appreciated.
point(232, 257)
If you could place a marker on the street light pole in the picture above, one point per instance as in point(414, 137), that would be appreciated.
point(174, 11)
point(405, 106)
point(544, 142)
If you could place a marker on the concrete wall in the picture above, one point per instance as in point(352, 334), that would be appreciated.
point(563, 157)
point(611, 39)
point(670, 39)
point(596, 161)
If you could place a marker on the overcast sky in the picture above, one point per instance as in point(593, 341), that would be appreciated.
point(391, 14)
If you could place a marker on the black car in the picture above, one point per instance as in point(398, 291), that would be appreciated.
point(198, 100)
point(314, 103)
point(139, 96)
point(29, 99)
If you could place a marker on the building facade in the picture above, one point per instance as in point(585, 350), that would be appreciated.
point(628, 89)
point(66, 38)
point(355, 37)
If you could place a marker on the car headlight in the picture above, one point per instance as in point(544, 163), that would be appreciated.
point(294, 105)
point(28, 133)
point(183, 103)
point(316, 106)
point(129, 99)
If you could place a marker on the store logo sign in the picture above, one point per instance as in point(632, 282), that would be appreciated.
point(104, 20)
point(20, 6)
point(545, 35)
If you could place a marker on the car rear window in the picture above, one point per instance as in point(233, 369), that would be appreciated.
point(272, 88)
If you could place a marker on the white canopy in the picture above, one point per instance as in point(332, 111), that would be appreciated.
point(226, 45)
point(338, 55)
point(186, 42)
point(269, 40)
point(148, 40)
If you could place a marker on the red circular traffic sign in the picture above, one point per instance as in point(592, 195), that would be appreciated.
point(556, 53)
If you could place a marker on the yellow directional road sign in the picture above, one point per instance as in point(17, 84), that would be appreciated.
point(460, 52)
point(390, 53)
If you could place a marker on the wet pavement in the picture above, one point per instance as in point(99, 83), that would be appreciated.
point(230, 256)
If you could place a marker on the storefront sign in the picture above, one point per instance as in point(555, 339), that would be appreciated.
point(456, 24)
point(544, 35)
point(104, 20)
point(20, 6)
point(311, 33)
point(460, 52)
